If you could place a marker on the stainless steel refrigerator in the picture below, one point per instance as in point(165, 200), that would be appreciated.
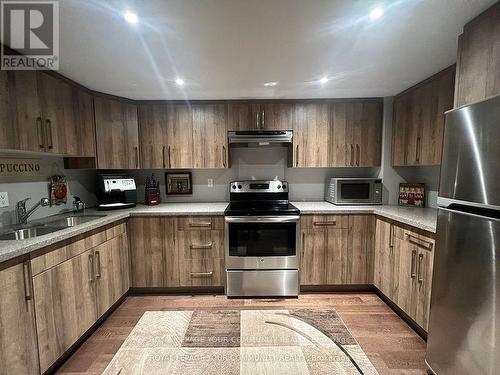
point(464, 327)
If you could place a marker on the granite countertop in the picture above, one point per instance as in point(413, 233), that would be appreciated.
point(423, 218)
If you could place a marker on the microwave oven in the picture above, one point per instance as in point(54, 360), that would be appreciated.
point(354, 191)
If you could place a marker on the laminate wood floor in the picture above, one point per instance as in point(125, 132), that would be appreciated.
point(391, 345)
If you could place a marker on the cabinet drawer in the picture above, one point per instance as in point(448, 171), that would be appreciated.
point(420, 240)
point(201, 272)
point(324, 221)
point(200, 244)
point(200, 222)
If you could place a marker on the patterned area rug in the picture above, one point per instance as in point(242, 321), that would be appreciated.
point(274, 342)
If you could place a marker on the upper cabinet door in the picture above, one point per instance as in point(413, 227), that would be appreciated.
point(239, 116)
point(67, 117)
point(117, 134)
point(210, 136)
point(418, 120)
point(478, 60)
point(341, 153)
point(367, 133)
point(311, 134)
point(153, 135)
point(21, 125)
point(276, 116)
point(180, 136)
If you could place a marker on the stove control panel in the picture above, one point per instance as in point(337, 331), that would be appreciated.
point(255, 186)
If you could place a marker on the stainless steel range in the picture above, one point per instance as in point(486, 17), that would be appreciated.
point(262, 240)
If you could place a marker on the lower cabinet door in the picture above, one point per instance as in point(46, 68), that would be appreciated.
point(313, 257)
point(65, 306)
point(111, 272)
point(360, 249)
point(408, 256)
point(425, 262)
point(18, 351)
point(337, 256)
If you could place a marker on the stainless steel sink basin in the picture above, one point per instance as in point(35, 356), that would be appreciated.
point(71, 221)
point(24, 234)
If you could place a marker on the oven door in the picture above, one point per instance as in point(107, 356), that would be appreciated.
point(359, 192)
point(263, 242)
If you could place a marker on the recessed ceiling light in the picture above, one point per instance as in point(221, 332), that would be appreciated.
point(270, 84)
point(130, 17)
point(376, 13)
point(179, 81)
point(323, 80)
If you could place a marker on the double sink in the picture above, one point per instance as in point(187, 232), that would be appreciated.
point(49, 225)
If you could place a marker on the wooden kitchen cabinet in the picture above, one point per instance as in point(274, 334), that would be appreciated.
point(112, 275)
point(210, 136)
point(153, 135)
point(356, 139)
point(117, 134)
point(240, 116)
point(154, 259)
point(418, 120)
point(478, 60)
point(416, 257)
point(260, 116)
point(360, 249)
point(386, 260)
point(65, 305)
point(18, 345)
point(68, 117)
point(21, 125)
point(311, 134)
point(324, 254)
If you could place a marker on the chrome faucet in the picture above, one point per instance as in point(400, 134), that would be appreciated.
point(22, 214)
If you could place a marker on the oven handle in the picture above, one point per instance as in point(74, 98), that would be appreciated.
point(262, 219)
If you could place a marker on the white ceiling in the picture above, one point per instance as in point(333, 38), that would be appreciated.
point(227, 49)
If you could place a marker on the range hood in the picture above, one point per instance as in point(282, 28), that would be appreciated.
point(260, 138)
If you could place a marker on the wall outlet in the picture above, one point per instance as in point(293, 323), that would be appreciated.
point(4, 199)
point(210, 182)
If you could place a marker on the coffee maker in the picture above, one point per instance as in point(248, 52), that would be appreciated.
point(115, 191)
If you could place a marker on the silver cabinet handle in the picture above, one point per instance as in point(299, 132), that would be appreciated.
point(39, 131)
point(26, 280)
point(420, 277)
point(50, 143)
point(413, 263)
point(98, 264)
point(224, 155)
point(358, 152)
point(297, 156)
point(201, 247)
point(169, 158)
point(163, 157)
point(325, 223)
point(419, 242)
point(417, 155)
point(201, 224)
point(303, 240)
point(201, 274)
point(263, 120)
point(136, 150)
point(258, 120)
point(352, 155)
point(91, 268)
point(391, 236)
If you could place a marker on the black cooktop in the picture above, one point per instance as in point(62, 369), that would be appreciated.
point(260, 209)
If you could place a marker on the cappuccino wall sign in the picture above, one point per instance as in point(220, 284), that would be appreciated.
point(17, 167)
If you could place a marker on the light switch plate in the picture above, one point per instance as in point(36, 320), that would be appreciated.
point(4, 199)
point(210, 182)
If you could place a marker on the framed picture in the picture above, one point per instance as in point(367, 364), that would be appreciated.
point(179, 183)
point(412, 194)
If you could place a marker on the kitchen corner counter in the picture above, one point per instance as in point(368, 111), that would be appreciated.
point(422, 218)
point(15, 248)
